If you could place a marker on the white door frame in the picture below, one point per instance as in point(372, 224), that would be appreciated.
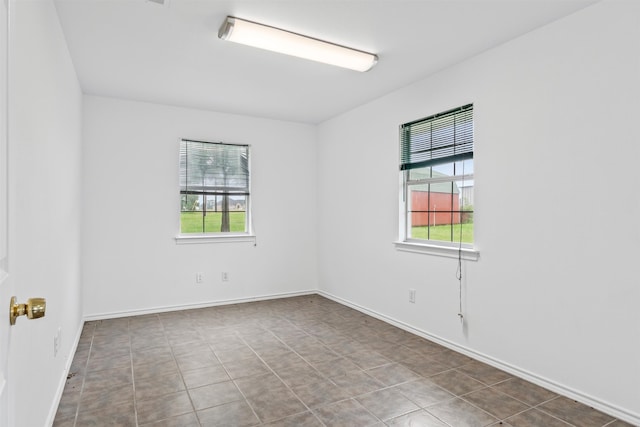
point(6, 282)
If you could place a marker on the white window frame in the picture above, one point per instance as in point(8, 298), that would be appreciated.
point(218, 237)
point(406, 243)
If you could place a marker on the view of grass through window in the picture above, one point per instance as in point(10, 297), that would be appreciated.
point(443, 232)
point(214, 187)
point(191, 222)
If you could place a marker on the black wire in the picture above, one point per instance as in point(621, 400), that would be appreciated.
point(459, 269)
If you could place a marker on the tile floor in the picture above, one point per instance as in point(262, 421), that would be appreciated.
point(303, 361)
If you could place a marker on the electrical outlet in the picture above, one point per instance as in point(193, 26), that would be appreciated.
point(199, 277)
point(225, 276)
point(412, 295)
point(56, 341)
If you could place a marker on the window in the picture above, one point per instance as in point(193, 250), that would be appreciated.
point(214, 188)
point(436, 163)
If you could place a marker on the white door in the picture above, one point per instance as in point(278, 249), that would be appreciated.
point(6, 283)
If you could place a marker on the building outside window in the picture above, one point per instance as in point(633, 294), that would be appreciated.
point(436, 166)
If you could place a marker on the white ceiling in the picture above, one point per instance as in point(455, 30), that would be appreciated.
point(141, 50)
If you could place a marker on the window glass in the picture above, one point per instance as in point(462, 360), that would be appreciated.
point(437, 170)
point(214, 187)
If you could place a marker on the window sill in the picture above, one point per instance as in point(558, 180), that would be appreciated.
point(444, 251)
point(188, 239)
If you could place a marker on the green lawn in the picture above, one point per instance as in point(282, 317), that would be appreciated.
point(191, 222)
point(443, 233)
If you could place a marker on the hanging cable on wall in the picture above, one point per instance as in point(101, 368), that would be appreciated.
point(459, 269)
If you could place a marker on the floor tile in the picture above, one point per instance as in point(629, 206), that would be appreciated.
point(459, 413)
point(357, 383)
point(283, 360)
point(449, 358)
point(367, 359)
point(347, 347)
point(274, 350)
point(237, 414)
point(190, 348)
point(337, 367)
point(422, 365)
point(420, 418)
point(483, 372)
point(64, 422)
point(393, 374)
point(291, 362)
point(205, 376)
point(109, 362)
point(305, 419)
point(535, 418)
point(239, 353)
point(245, 368)
point(422, 345)
point(619, 423)
point(152, 340)
point(276, 404)
point(149, 387)
point(497, 404)
point(185, 420)
point(163, 407)
point(107, 379)
point(575, 413)
point(386, 404)
point(525, 391)
point(424, 393)
point(319, 354)
point(154, 369)
point(299, 375)
point(103, 398)
point(226, 342)
point(345, 413)
point(456, 382)
point(122, 415)
point(68, 406)
point(320, 393)
point(155, 354)
point(214, 395)
point(191, 361)
point(259, 384)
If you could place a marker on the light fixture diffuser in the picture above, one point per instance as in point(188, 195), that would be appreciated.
point(282, 41)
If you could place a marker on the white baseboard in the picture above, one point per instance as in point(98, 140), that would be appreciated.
point(63, 379)
point(576, 395)
point(163, 309)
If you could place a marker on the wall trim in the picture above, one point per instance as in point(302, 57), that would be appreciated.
point(63, 378)
point(167, 308)
point(608, 408)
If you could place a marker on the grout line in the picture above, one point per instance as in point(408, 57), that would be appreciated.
point(133, 375)
point(85, 373)
point(276, 374)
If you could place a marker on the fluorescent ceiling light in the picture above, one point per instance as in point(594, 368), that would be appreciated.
point(281, 41)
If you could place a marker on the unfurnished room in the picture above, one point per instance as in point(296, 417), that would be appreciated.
point(319, 213)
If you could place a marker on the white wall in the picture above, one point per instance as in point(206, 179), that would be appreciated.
point(45, 209)
point(131, 210)
point(554, 295)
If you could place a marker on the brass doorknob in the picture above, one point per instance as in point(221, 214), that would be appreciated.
point(33, 309)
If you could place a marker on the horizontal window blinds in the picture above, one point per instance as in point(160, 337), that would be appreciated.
point(213, 168)
point(442, 138)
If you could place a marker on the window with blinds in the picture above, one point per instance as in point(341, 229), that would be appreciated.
point(214, 187)
point(436, 163)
